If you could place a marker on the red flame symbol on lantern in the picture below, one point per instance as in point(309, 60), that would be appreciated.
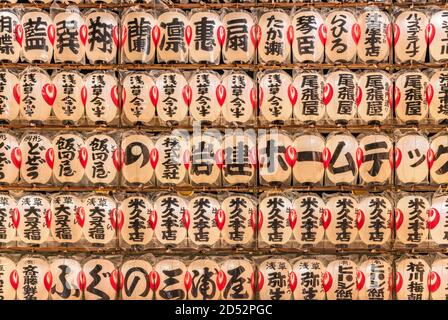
point(292, 95)
point(327, 281)
point(154, 280)
point(433, 218)
point(326, 155)
point(124, 36)
point(81, 281)
point(188, 34)
point(221, 94)
point(84, 95)
point(323, 34)
point(49, 157)
point(219, 158)
point(399, 217)
point(358, 95)
point(48, 281)
point(187, 95)
point(155, 34)
point(253, 98)
point(186, 219)
point(290, 34)
point(328, 94)
point(360, 280)
point(398, 157)
point(429, 93)
point(154, 95)
point(398, 281)
point(115, 36)
point(326, 218)
point(80, 216)
point(433, 281)
point(51, 33)
point(16, 157)
point(360, 219)
point(257, 286)
point(116, 218)
point(19, 33)
point(430, 158)
point(220, 218)
point(14, 279)
point(430, 32)
point(117, 158)
point(396, 33)
point(359, 157)
point(15, 217)
point(291, 156)
point(114, 96)
point(83, 34)
point(292, 218)
point(49, 93)
point(187, 159)
point(153, 219)
point(292, 281)
point(221, 34)
point(187, 281)
point(83, 157)
point(390, 97)
point(221, 280)
point(397, 96)
point(154, 157)
point(356, 32)
point(116, 280)
point(16, 93)
point(255, 35)
point(48, 218)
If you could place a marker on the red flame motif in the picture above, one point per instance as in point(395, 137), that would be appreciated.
point(116, 280)
point(360, 219)
point(154, 280)
point(257, 286)
point(49, 157)
point(359, 157)
point(253, 156)
point(48, 281)
point(259, 220)
point(253, 98)
point(14, 279)
point(186, 219)
point(124, 36)
point(399, 217)
point(16, 157)
point(356, 32)
point(83, 34)
point(358, 95)
point(290, 156)
point(252, 220)
point(292, 281)
point(429, 93)
point(433, 218)
point(221, 94)
point(390, 96)
point(220, 218)
point(391, 219)
point(15, 217)
point(114, 96)
point(187, 159)
point(255, 35)
point(116, 218)
point(398, 157)
point(292, 218)
point(221, 280)
point(290, 34)
point(48, 218)
point(154, 157)
point(117, 158)
point(326, 155)
point(260, 96)
point(154, 95)
point(188, 34)
point(360, 280)
point(187, 95)
point(19, 33)
point(391, 281)
point(49, 93)
point(81, 281)
point(430, 157)
point(16, 93)
point(219, 158)
point(391, 157)
point(327, 281)
point(51, 31)
point(188, 280)
point(397, 96)
point(155, 34)
point(396, 33)
point(84, 96)
point(326, 218)
point(323, 34)
point(153, 219)
point(83, 157)
point(389, 34)
point(430, 32)
point(80, 216)
point(398, 281)
point(115, 36)
point(328, 94)
point(434, 281)
point(292, 95)
point(221, 34)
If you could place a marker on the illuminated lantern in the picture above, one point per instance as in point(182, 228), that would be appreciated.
point(411, 158)
point(238, 274)
point(140, 97)
point(435, 35)
point(343, 33)
point(438, 220)
point(207, 97)
point(8, 279)
point(340, 159)
point(68, 218)
point(339, 220)
point(11, 156)
point(276, 34)
point(277, 268)
point(340, 95)
point(136, 280)
point(9, 96)
point(68, 279)
point(411, 279)
point(207, 37)
point(34, 278)
point(310, 35)
point(275, 214)
point(437, 96)
point(102, 98)
point(207, 280)
point(302, 271)
point(103, 36)
point(339, 280)
point(170, 280)
point(13, 30)
point(206, 159)
point(410, 36)
point(38, 36)
point(175, 37)
point(374, 279)
point(240, 158)
point(438, 158)
point(140, 220)
point(309, 107)
point(240, 103)
point(207, 220)
point(9, 220)
point(37, 162)
point(175, 97)
point(139, 158)
point(309, 166)
point(71, 37)
point(307, 223)
point(100, 219)
point(241, 37)
point(240, 212)
point(70, 158)
point(70, 96)
point(101, 279)
point(438, 279)
point(173, 219)
point(375, 37)
point(411, 220)
point(104, 159)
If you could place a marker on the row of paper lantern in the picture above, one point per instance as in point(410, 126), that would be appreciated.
point(172, 97)
point(212, 159)
point(339, 36)
point(35, 277)
point(159, 220)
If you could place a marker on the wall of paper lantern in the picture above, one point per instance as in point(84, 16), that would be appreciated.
point(259, 144)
